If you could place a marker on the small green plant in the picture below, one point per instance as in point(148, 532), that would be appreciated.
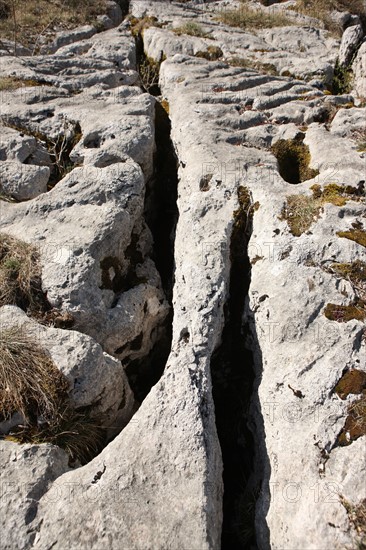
point(342, 80)
point(246, 17)
point(192, 29)
point(149, 71)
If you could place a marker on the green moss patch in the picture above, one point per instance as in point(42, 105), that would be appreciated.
point(356, 235)
point(352, 382)
point(343, 314)
point(294, 158)
point(213, 53)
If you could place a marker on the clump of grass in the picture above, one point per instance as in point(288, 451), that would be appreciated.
point(246, 17)
point(29, 381)
point(294, 158)
point(138, 25)
point(321, 9)
point(32, 385)
point(20, 275)
point(26, 21)
point(192, 29)
point(10, 83)
point(246, 63)
point(74, 431)
point(301, 211)
point(342, 81)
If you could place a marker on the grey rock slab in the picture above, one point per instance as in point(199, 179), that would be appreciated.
point(106, 205)
point(359, 71)
point(96, 380)
point(26, 473)
point(160, 497)
point(23, 181)
point(351, 38)
point(16, 146)
point(288, 293)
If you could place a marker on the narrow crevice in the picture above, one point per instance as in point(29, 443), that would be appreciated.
point(161, 215)
point(233, 379)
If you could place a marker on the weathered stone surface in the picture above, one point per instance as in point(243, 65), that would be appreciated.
point(26, 473)
point(359, 70)
point(96, 379)
point(158, 484)
point(351, 38)
point(23, 181)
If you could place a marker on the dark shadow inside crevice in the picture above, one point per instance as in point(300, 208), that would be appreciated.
point(233, 376)
point(161, 215)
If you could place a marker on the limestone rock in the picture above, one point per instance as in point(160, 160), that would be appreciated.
point(96, 380)
point(26, 473)
point(23, 181)
point(359, 70)
point(351, 38)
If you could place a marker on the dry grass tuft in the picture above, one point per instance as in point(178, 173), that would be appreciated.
point(321, 9)
point(192, 29)
point(20, 275)
point(24, 21)
point(74, 431)
point(247, 63)
point(246, 17)
point(32, 385)
point(29, 381)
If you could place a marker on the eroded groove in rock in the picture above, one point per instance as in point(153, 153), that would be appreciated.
point(233, 377)
point(161, 214)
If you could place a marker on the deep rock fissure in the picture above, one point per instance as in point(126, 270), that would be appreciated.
point(161, 215)
point(233, 378)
